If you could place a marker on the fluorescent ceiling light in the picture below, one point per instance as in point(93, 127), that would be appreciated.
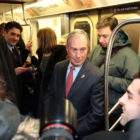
point(39, 4)
point(43, 3)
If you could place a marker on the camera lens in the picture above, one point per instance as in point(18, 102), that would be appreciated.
point(59, 120)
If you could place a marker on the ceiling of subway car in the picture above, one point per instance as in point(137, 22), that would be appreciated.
point(16, 1)
point(37, 8)
point(6, 5)
point(45, 7)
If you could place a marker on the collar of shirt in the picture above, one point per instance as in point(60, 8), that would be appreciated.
point(9, 47)
point(75, 71)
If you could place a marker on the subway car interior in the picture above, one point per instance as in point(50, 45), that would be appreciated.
point(64, 16)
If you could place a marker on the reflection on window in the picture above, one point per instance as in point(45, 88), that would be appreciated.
point(83, 25)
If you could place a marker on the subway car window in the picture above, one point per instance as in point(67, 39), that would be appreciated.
point(83, 25)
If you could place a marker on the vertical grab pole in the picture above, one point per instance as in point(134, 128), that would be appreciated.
point(106, 70)
point(23, 10)
point(12, 13)
point(26, 21)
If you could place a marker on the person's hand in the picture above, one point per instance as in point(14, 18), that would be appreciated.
point(20, 70)
point(29, 45)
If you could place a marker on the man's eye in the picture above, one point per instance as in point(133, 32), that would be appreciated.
point(82, 50)
point(12, 34)
point(105, 36)
point(73, 49)
point(129, 97)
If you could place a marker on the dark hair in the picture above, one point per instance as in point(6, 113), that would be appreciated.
point(2, 27)
point(136, 76)
point(11, 25)
point(112, 22)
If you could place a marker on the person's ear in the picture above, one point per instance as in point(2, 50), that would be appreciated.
point(66, 48)
point(4, 33)
point(88, 49)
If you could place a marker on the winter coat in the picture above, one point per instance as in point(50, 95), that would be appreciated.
point(58, 54)
point(124, 63)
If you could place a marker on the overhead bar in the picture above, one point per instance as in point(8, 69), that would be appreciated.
point(26, 24)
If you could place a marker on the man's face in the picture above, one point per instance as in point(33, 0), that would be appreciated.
point(12, 36)
point(130, 102)
point(77, 50)
point(104, 36)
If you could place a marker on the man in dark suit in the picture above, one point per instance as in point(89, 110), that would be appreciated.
point(84, 88)
point(12, 34)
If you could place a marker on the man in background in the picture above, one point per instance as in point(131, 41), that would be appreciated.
point(12, 35)
point(124, 62)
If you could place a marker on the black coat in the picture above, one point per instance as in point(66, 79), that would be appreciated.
point(7, 70)
point(112, 135)
point(86, 94)
point(58, 54)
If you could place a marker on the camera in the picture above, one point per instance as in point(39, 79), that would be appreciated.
point(59, 120)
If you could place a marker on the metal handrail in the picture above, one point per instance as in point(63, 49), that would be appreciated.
point(106, 70)
point(26, 24)
point(115, 124)
point(113, 108)
point(12, 14)
point(24, 18)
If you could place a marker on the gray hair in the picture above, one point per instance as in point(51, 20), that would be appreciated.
point(78, 32)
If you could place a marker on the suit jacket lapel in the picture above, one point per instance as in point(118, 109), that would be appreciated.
point(81, 77)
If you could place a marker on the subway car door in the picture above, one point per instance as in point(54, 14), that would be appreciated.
point(83, 23)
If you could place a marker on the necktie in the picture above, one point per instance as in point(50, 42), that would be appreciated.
point(69, 80)
point(14, 54)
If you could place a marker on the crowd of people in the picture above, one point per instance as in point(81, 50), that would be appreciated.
point(70, 71)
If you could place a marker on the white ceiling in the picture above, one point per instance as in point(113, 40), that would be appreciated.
point(50, 7)
point(7, 5)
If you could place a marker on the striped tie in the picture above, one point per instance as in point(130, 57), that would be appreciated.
point(15, 55)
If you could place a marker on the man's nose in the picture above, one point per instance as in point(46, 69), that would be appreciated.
point(16, 37)
point(101, 39)
point(78, 54)
point(122, 99)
